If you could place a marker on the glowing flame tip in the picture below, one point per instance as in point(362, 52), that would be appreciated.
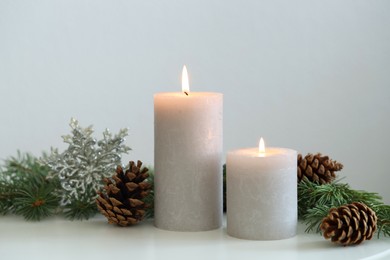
point(261, 146)
point(185, 86)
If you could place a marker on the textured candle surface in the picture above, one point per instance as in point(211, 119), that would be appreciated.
point(262, 193)
point(188, 161)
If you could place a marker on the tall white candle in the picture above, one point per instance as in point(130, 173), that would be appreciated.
point(262, 193)
point(188, 160)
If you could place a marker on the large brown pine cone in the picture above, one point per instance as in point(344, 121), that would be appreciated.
point(317, 168)
point(122, 202)
point(349, 224)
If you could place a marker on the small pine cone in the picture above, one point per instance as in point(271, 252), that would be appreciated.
point(317, 168)
point(122, 202)
point(349, 224)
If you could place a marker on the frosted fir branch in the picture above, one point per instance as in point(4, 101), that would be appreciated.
point(86, 161)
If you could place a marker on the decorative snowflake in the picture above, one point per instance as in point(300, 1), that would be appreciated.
point(83, 165)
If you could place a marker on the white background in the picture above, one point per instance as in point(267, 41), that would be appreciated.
point(309, 75)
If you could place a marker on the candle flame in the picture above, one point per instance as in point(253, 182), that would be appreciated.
point(185, 86)
point(261, 146)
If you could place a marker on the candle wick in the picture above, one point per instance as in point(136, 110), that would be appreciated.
point(185, 93)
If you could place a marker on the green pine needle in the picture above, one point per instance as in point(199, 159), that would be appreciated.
point(314, 217)
point(7, 192)
point(315, 201)
point(149, 200)
point(35, 203)
point(83, 207)
point(25, 189)
point(80, 210)
point(383, 214)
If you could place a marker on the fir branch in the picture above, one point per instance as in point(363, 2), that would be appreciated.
point(315, 201)
point(314, 217)
point(17, 168)
point(83, 165)
point(36, 202)
point(149, 200)
point(383, 223)
point(7, 193)
point(80, 209)
point(25, 189)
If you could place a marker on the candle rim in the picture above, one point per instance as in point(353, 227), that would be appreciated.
point(254, 152)
point(190, 94)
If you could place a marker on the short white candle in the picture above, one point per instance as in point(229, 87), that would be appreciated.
point(262, 193)
point(188, 160)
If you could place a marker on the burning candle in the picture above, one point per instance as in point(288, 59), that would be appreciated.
point(188, 159)
point(262, 193)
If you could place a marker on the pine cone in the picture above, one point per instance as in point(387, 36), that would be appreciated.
point(122, 203)
point(349, 224)
point(317, 168)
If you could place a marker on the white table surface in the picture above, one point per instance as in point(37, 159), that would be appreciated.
point(57, 238)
